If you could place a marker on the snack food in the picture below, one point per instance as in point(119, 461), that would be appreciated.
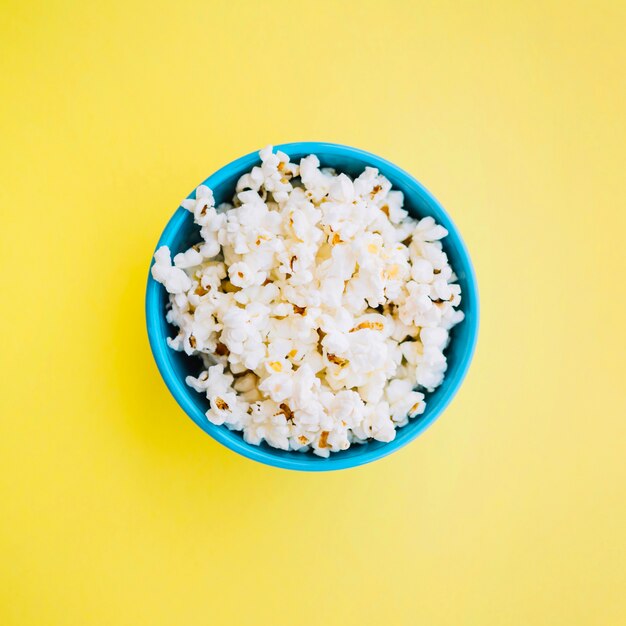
point(321, 310)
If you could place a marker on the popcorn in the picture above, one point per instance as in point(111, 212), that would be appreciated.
point(428, 230)
point(319, 309)
point(172, 278)
point(422, 271)
point(190, 258)
point(242, 275)
point(201, 205)
point(403, 401)
point(278, 387)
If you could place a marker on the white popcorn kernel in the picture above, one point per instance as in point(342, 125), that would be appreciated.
point(341, 189)
point(428, 230)
point(172, 278)
point(201, 204)
point(187, 259)
point(440, 290)
point(416, 304)
point(377, 422)
point(241, 275)
point(403, 401)
point(436, 337)
point(221, 408)
point(336, 343)
point(277, 386)
point(198, 384)
point(422, 271)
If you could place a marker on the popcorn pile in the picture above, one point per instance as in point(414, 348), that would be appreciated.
point(317, 304)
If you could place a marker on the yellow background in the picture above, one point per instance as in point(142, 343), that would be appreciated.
point(116, 509)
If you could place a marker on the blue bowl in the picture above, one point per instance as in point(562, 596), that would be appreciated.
point(181, 232)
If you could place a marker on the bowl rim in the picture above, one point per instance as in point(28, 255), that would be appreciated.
point(296, 460)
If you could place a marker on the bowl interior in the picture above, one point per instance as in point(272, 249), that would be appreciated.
point(181, 232)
